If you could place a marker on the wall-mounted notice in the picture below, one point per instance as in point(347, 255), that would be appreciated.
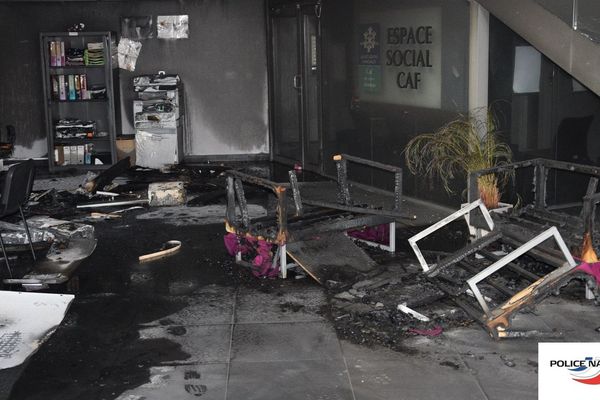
point(172, 26)
point(399, 57)
point(128, 53)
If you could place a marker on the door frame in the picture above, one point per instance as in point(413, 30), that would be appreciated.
point(270, 5)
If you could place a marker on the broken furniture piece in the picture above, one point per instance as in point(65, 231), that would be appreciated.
point(106, 177)
point(345, 200)
point(496, 317)
point(431, 269)
point(534, 217)
point(292, 232)
point(169, 248)
point(66, 244)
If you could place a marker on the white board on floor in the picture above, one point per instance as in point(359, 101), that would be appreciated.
point(26, 321)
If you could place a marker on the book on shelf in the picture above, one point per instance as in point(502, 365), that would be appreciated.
point(53, 54)
point(62, 53)
point(57, 53)
point(62, 89)
point(55, 90)
point(77, 87)
point(69, 87)
point(83, 87)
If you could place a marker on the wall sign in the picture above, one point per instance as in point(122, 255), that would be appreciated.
point(399, 57)
point(369, 58)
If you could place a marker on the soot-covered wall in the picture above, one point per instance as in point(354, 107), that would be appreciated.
point(222, 65)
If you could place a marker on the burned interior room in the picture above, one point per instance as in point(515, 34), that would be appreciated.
point(316, 199)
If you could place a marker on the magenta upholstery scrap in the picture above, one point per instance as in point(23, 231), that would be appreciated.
point(592, 269)
point(378, 234)
point(260, 251)
point(436, 331)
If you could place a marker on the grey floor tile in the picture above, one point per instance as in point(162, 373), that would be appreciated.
point(301, 380)
point(289, 305)
point(578, 321)
point(362, 352)
point(475, 340)
point(207, 306)
point(196, 344)
point(285, 342)
point(412, 378)
point(501, 382)
point(181, 382)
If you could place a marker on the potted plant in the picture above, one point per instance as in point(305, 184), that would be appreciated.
point(468, 143)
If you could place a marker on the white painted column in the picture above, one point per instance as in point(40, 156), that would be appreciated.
point(479, 41)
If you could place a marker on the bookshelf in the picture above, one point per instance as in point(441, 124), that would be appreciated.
point(79, 99)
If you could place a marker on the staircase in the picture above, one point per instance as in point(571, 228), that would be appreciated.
point(571, 39)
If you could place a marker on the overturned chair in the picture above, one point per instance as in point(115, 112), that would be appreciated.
point(497, 318)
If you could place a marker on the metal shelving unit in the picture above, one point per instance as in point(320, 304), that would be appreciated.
point(100, 110)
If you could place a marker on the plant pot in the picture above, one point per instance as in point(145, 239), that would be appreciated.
point(502, 208)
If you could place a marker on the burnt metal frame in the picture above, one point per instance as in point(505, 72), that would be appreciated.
point(235, 191)
point(308, 224)
point(536, 241)
point(344, 196)
point(496, 321)
point(440, 224)
point(541, 168)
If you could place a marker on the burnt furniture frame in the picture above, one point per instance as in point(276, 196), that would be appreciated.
point(540, 208)
point(288, 226)
point(497, 320)
point(344, 194)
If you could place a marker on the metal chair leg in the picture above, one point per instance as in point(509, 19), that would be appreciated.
point(5, 256)
point(27, 231)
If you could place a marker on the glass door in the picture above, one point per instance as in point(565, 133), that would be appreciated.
point(296, 85)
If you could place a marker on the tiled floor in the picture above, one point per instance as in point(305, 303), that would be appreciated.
point(245, 344)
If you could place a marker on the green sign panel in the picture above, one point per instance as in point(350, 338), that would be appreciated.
point(370, 78)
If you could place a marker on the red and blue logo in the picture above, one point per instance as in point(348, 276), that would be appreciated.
point(587, 371)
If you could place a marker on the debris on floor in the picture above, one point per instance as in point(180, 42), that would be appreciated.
point(100, 181)
point(393, 302)
point(328, 250)
point(162, 194)
point(67, 244)
point(169, 248)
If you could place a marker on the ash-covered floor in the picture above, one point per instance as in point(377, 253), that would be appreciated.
point(197, 325)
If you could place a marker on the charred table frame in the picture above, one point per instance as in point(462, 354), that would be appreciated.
point(288, 226)
point(344, 195)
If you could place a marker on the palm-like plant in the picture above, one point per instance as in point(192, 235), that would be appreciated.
point(466, 144)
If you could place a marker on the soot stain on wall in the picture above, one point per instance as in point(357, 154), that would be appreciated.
point(222, 65)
